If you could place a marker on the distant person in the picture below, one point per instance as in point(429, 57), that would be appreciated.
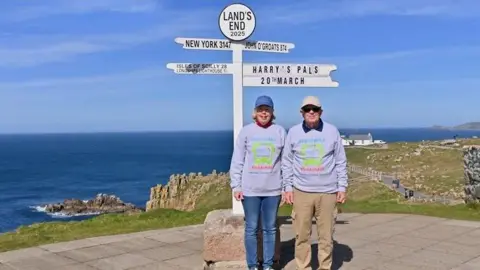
point(314, 168)
point(255, 174)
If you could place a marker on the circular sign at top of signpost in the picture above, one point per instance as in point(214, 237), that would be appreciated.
point(237, 22)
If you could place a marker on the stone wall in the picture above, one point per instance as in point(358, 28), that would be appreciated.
point(471, 167)
point(188, 192)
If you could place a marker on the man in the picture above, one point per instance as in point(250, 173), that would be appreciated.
point(314, 168)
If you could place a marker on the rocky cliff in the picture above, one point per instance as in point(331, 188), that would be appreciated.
point(192, 191)
point(101, 204)
point(471, 166)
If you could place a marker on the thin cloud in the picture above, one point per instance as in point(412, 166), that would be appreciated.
point(313, 11)
point(358, 60)
point(452, 83)
point(119, 77)
point(63, 7)
point(155, 72)
point(389, 56)
point(60, 49)
point(50, 49)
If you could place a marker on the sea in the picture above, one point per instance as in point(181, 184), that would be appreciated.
point(47, 168)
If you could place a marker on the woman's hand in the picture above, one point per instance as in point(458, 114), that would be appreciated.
point(238, 195)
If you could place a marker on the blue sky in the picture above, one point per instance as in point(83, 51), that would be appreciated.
point(87, 66)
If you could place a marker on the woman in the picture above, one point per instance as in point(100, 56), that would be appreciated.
point(256, 180)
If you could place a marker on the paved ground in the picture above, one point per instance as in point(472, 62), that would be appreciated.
point(364, 242)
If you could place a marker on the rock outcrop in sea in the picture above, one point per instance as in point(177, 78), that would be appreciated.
point(188, 192)
point(101, 204)
point(471, 168)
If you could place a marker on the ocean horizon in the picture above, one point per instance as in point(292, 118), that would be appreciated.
point(350, 129)
point(37, 169)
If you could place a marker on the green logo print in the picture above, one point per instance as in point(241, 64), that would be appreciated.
point(312, 154)
point(263, 153)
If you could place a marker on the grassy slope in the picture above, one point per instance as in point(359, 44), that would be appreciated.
point(433, 171)
point(364, 197)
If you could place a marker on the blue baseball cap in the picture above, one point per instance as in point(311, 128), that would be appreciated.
point(264, 101)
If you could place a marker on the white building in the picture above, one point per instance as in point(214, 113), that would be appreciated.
point(360, 139)
point(345, 141)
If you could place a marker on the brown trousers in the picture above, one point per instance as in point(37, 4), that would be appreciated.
point(322, 207)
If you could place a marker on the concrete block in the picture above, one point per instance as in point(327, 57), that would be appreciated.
point(224, 238)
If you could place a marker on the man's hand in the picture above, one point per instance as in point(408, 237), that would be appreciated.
point(287, 197)
point(238, 195)
point(341, 197)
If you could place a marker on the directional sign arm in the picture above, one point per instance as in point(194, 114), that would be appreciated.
point(267, 46)
point(202, 68)
point(285, 69)
point(226, 45)
point(288, 75)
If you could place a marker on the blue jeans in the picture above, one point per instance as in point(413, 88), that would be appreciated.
point(264, 209)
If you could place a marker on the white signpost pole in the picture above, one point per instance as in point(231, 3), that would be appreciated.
point(237, 23)
point(237, 58)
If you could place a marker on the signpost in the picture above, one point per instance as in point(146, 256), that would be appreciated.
point(237, 23)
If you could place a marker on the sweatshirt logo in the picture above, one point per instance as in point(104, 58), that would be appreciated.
point(312, 156)
point(263, 155)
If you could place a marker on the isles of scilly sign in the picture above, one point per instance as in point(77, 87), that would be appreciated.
point(237, 22)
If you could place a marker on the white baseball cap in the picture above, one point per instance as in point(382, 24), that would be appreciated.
point(311, 100)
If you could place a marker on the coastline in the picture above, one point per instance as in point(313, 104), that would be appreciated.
point(80, 166)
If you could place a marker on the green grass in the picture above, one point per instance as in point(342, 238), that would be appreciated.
point(110, 224)
point(51, 232)
point(363, 197)
point(428, 170)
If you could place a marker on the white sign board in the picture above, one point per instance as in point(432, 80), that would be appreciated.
point(204, 44)
point(306, 70)
point(226, 45)
point(288, 75)
point(189, 68)
point(237, 22)
point(289, 81)
point(268, 46)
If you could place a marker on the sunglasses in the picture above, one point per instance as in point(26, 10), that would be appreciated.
point(311, 108)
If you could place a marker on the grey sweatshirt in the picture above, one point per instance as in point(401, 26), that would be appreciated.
point(255, 168)
point(314, 159)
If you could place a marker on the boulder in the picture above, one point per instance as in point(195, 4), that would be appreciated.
point(224, 240)
point(471, 169)
point(101, 204)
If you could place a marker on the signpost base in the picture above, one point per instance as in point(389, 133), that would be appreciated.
point(237, 207)
point(224, 243)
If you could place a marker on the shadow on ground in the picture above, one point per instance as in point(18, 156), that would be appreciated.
point(288, 221)
point(341, 252)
